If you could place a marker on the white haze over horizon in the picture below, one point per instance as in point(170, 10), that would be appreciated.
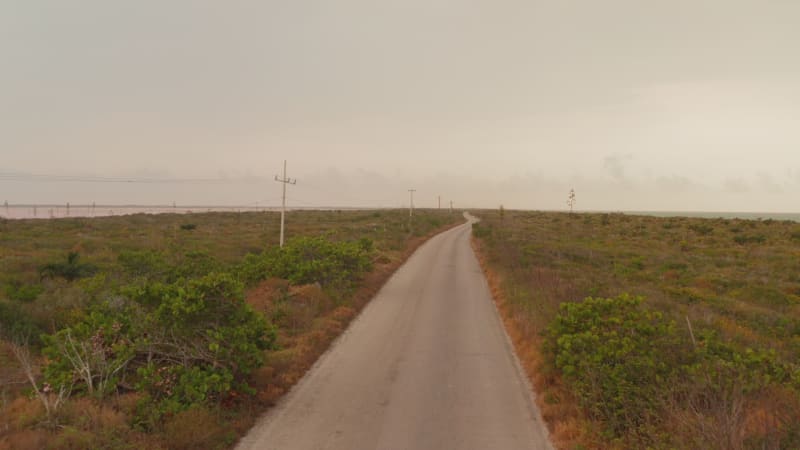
point(637, 105)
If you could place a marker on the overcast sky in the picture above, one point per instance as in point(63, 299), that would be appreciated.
point(638, 105)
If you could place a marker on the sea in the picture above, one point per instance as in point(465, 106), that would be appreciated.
point(720, 214)
point(84, 211)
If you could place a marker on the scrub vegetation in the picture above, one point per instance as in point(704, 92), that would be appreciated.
point(176, 331)
point(645, 332)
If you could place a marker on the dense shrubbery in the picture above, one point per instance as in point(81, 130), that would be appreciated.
point(616, 355)
point(16, 325)
point(632, 372)
point(309, 260)
point(183, 343)
point(154, 266)
point(148, 264)
point(181, 332)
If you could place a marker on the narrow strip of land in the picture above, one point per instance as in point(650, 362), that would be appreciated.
point(427, 365)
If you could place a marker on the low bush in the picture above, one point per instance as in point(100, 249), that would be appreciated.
point(630, 369)
point(147, 264)
point(616, 355)
point(307, 260)
point(71, 269)
point(16, 324)
point(183, 343)
point(15, 290)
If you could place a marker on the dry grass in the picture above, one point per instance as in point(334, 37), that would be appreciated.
point(25, 439)
point(733, 279)
point(193, 428)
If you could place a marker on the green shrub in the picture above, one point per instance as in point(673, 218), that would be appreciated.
point(15, 290)
point(71, 269)
point(308, 260)
point(144, 263)
point(481, 231)
point(16, 324)
point(194, 264)
point(183, 343)
point(92, 355)
point(616, 355)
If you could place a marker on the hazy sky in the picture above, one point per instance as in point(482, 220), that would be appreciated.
point(638, 105)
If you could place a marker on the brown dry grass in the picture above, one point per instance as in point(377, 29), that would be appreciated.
point(737, 292)
point(192, 429)
point(27, 439)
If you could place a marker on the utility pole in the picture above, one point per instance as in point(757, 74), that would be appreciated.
point(411, 203)
point(451, 207)
point(440, 201)
point(284, 181)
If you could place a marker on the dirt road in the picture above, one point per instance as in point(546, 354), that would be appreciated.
point(427, 365)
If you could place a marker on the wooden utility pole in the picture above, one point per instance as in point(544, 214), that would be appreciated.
point(285, 181)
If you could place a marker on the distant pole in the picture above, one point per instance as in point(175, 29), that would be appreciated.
point(440, 201)
point(451, 207)
point(411, 202)
point(67, 209)
point(284, 181)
